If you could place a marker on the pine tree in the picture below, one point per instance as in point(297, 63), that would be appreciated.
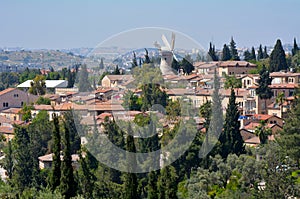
point(231, 139)
point(212, 52)
point(253, 56)
point(233, 51)
point(67, 185)
point(265, 53)
point(263, 91)
point(83, 82)
point(55, 175)
point(226, 53)
point(131, 182)
point(74, 135)
point(295, 48)
point(277, 58)
point(260, 54)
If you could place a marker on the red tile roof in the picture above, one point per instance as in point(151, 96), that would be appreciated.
point(6, 91)
point(6, 130)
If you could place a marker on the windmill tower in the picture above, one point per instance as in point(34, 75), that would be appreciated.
point(167, 55)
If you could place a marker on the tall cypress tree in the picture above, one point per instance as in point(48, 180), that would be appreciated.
point(8, 161)
point(263, 91)
point(147, 59)
point(134, 61)
point(247, 55)
point(131, 182)
point(212, 52)
point(22, 173)
point(67, 183)
point(83, 83)
point(265, 53)
point(233, 51)
point(260, 54)
point(253, 56)
point(277, 58)
point(226, 53)
point(55, 175)
point(295, 48)
point(167, 186)
point(231, 139)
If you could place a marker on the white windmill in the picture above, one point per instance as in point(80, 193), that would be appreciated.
point(167, 54)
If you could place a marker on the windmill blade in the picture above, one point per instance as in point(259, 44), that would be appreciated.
point(173, 41)
point(164, 39)
point(157, 45)
point(174, 56)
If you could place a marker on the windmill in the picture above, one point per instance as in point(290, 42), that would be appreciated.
point(167, 54)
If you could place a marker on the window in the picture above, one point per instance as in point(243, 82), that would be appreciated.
point(16, 95)
point(248, 82)
point(5, 104)
point(22, 103)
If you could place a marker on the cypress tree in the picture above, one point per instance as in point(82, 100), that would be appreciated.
point(253, 56)
point(134, 61)
point(101, 65)
point(131, 182)
point(277, 58)
point(22, 173)
point(260, 54)
point(152, 185)
point(56, 163)
point(117, 71)
point(147, 59)
point(265, 54)
point(247, 55)
point(67, 183)
point(295, 48)
point(233, 51)
point(83, 83)
point(231, 139)
point(8, 161)
point(263, 91)
point(212, 52)
point(167, 185)
point(226, 53)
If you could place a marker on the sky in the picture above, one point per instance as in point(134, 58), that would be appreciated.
point(61, 24)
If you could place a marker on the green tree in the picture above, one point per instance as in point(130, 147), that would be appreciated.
point(173, 109)
point(147, 59)
point(101, 65)
point(151, 95)
point(71, 120)
point(260, 54)
point(152, 185)
point(226, 53)
point(131, 101)
point(247, 55)
point(22, 173)
point(117, 71)
point(134, 61)
point(43, 100)
point(265, 53)
point(232, 82)
point(71, 78)
point(26, 112)
point(212, 53)
point(8, 161)
point(205, 112)
point(233, 50)
point(131, 182)
point(295, 48)
point(67, 185)
point(187, 65)
point(263, 91)
point(279, 100)
point(38, 85)
point(54, 178)
point(167, 183)
point(277, 58)
point(231, 139)
point(83, 83)
point(262, 132)
point(253, 56)
point(175, 64)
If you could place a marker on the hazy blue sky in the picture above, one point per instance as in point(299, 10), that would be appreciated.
point(84, 23)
